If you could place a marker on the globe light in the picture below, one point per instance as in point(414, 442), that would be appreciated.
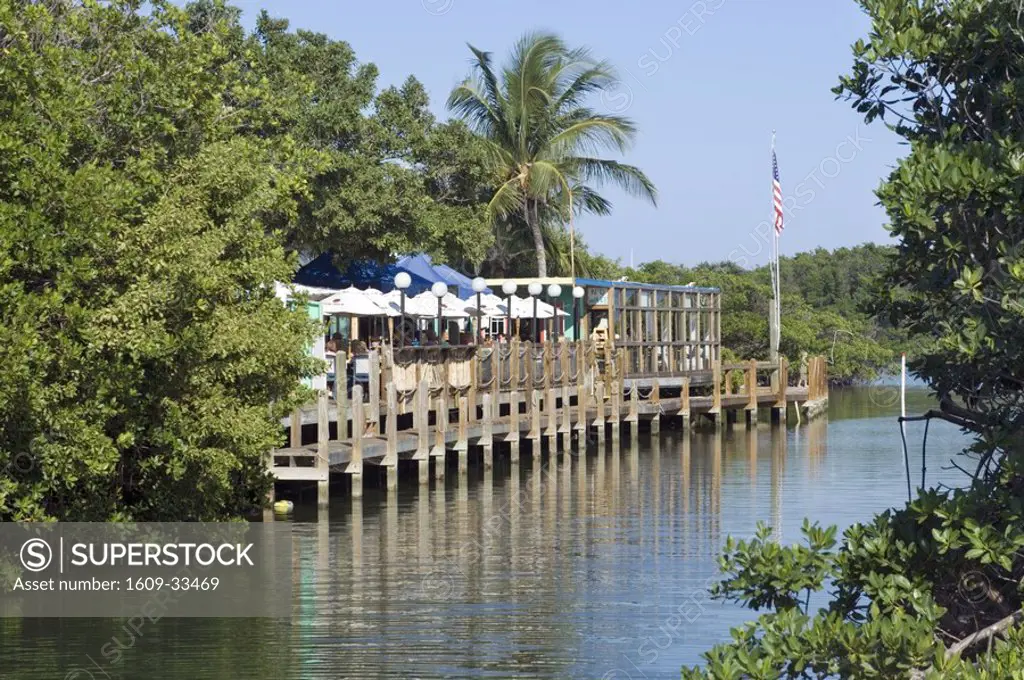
point(535, 288)
point(402, 280)
point(439, 289)
point(578, 292)
point(554, 290)
point(478, 285)
point(509, 287)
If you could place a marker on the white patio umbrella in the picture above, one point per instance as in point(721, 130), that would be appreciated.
point(351, 302)
point(522, 308)
point(425, 305)
point(490, 305)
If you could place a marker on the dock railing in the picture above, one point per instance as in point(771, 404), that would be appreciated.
point(475, 395)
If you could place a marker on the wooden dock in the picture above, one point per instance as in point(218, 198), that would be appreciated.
point(423, 405)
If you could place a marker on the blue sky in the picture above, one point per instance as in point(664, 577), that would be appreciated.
point(705, 82)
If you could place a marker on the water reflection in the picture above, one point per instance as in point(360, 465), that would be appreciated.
point(561, 567)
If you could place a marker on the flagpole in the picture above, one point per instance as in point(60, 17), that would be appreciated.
point(773, 316)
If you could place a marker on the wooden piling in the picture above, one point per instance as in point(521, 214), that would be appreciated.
point(421, 421)
point(487, 432)
point(391, 432)
point(582, 392)
point(779, 409)
point(655, 399)
point(716, 394)
point(462, 444)
point(355, 464)
point(566, 429)
point(752, 394)
point(374, 396)
point(323, 454)
point(341, 393)
point(599, 419)
point(684, 398)
point(440, 432)
point(551, 407)
point(634, 413)
point(534, 434)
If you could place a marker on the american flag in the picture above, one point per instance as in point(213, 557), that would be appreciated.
point(776, 195)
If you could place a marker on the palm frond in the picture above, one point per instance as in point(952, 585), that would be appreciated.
point(507, 200)
point(629, 178)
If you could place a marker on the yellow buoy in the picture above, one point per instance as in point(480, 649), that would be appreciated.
point(284, 506)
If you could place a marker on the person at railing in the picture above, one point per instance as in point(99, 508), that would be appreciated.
point(357, 347)
point(444, 340)
point(429, 338)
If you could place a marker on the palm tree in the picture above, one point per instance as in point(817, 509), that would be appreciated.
point(542, 139)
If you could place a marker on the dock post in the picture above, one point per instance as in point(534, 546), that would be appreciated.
point(633, 418)
point(421, 421)
point(716, 395)
point(513, 429)
point(617, 388)
point(355, 464)
point(656, 400)
point(323, 454)
point(374, 388)
point(391, 433)
point(534, 434)
point(440, 432)
point(462, 445)
point(551, 406)
point(513, 401)
point(779, 410)
point(487, 432)
point(566, 429)
point(752, 395)
point(462, 442)
point(684, 399)
point(341, 393)
point(599, 418)
point(551, 432)
point(582, 390)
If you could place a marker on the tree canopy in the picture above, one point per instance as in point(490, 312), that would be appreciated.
point(141, 340)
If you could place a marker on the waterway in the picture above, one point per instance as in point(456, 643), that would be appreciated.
point(595, 568)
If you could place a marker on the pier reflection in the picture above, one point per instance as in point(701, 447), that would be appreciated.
point(488, 561)
point(498, 577)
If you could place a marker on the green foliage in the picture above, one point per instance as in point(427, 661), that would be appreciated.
point(393, 179)
point(932, 590)
point(824, 300)
point(141, 341)
point(955, 201)
point(540, 137)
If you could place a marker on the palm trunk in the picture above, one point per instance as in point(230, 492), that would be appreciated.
point(533, 220)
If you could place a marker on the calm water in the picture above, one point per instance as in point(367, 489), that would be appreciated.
point(598, 570)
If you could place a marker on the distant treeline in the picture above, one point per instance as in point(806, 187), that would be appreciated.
point(827, 307)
